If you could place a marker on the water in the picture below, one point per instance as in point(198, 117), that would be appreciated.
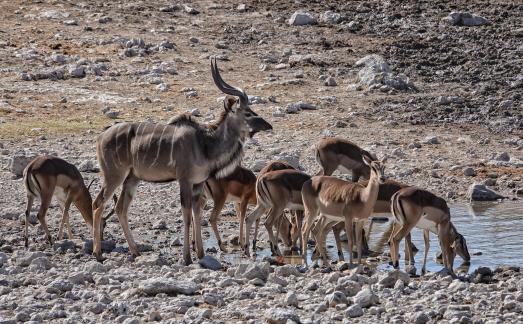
point(494, 234)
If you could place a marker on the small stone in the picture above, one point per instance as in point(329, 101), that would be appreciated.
point(330, 17)
point(112, 114)
point(465, 19)
point(160, 225)
point(95, 267)
point(162, 87)
point(190, 10)
point(301, 18)
point(41, 264)
point(354, 311)
point(196, 112)
point(354, 26)
point(480, 192)
point(286, 271)
point(209, 262)
point(107, 246)
point(242, 7)
point(366, 298)
point(389, 279)
point(431, 140)
point(155, 316)
point(281, 316)
point(503, 157)
point(194, 40)
point(336, 298)
point(330, 82)
point(291, 299)
point(155, 286)
point(469, 172)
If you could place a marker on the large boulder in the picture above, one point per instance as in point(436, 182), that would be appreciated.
point(480, 192)
point(376, 74)
point(19, 161)
point(301, 18)
point(465, 19)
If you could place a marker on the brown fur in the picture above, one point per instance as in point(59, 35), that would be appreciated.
point(276, 165)
point(337, 190)
point(423, 198)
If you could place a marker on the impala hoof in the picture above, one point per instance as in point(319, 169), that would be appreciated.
point(99, 257)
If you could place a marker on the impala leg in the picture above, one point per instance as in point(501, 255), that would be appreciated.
point(255, 238)
point(272, 220)
point(186, 198)
point(253, 217)
point(400, 234)
point(62, 221)
point(66, 216)
point(348, 230)
point(409, 258)
point(106, 192)
point(197, 219)
point(310, 216)
point(30, 200)
point(426, 238)
point(359, 239)
point(446, 248)
point(242, 211)
point(336, 230)
point(321, 243)
point(122, 207)
point(46, 201)
point(215, 214)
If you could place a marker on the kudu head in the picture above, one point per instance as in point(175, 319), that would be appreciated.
point(237, 105)
point(377, 168)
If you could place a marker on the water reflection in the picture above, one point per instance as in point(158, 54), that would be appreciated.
point(493, 232)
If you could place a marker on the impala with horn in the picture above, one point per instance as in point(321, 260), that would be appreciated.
point(184, 151)
point(415, 207)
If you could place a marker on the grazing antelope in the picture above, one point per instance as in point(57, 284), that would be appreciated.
point(275, 191)
point(333, 153)
point(46, 176)
point(341, 200)
point(411, 207)
point(183, 150)
point(323, 225)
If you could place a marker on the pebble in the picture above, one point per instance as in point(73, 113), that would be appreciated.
point(209, 262)
point(469, 172)
point(366, 298)
point(354, 311)
point(330, 82)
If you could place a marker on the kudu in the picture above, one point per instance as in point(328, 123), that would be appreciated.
point(46, 176)
point(184, 150)
point(341, 200)
point(412, 207)
point(334, 153)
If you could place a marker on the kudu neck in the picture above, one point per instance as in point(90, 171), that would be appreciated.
point(226, 136)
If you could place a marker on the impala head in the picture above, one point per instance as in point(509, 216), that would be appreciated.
point(377, 168)
point(459, 245)
point(237, 104)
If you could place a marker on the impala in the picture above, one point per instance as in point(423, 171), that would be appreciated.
point(341, 200)
point(412, 207)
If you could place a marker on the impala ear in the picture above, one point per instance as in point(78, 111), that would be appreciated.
point(228, 103)
point(367, 160)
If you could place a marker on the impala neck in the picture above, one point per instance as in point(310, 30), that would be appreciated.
point(370, 193)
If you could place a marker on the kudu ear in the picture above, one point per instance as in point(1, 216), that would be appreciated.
point(228, 103)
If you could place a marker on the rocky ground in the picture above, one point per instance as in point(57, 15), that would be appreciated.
point(440, 95)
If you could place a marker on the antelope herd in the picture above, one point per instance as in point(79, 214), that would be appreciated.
point(205, 160)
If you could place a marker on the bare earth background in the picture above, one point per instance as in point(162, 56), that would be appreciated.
point(68, 69)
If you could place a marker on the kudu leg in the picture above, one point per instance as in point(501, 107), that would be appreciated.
point(197, 219)
point(30, 200)
point(186, 201)
point(122, 208)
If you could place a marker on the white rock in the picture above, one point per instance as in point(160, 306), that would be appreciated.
point(330, 17)
point(354, 311)
point(366, 298)
point(301, 18)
